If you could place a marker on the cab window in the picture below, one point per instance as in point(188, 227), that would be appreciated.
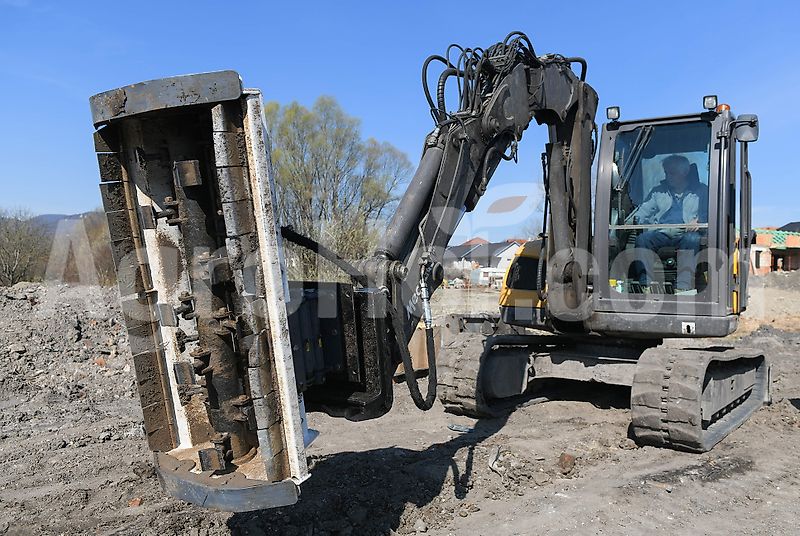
point(658, 219)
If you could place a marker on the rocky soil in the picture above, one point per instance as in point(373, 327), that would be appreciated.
point(74, 459)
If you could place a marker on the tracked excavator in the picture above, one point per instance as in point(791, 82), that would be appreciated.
point(230, 355)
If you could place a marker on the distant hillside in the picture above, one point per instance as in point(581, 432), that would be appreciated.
point(50, 221)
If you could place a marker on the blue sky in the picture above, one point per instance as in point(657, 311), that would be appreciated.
point(650, 60)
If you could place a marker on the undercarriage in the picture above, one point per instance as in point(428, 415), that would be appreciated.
point(688, 397)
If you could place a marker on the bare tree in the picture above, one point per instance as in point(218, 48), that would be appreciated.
point(332, 185)
point(24, 245)
point(532, 227)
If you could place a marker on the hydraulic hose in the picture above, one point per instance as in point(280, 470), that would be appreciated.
point(425, 90)
point(440, 88)
point(408, 367)
point(582, 63)
point(543, 249)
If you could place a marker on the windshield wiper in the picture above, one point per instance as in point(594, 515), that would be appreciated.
point(636, 154)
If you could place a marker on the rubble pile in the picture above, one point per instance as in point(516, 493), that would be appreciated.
point(63, 342)
point(72, 444)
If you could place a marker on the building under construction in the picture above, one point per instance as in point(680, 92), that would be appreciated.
point(776, 249)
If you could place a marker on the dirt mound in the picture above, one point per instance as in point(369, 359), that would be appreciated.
point(774, 301)
point(71, 439)
point(778, 280)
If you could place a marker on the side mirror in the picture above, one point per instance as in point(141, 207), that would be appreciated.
point(746, 129)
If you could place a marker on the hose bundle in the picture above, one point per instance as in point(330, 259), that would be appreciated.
point(477, 73)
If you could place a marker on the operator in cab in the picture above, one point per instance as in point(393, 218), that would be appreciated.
point(680, 203)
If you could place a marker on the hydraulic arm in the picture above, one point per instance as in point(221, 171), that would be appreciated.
point(500, 90)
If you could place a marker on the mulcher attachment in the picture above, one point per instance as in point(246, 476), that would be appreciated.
point(189, 196)
point(691, 399)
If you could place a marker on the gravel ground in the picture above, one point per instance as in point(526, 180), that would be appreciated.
point(75, 461)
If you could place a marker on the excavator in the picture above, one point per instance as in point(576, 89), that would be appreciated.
point(230, 355)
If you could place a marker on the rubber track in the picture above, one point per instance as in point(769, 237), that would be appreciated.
point(458, 368)
point(667, 391)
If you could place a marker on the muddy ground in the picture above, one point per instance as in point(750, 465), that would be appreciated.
point(74, 459)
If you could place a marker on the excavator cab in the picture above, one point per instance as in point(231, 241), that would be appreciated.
point(672, 225)
point(671, 231)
